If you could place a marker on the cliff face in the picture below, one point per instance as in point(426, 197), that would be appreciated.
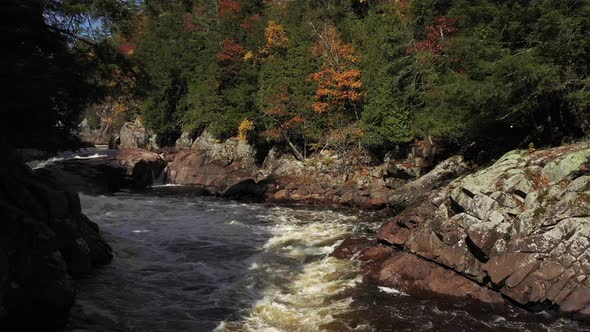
point(45, 241)
point(519, 228)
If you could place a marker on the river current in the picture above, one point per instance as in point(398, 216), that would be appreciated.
point(184, 262)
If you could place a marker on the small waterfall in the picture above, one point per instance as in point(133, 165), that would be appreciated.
point(160, 180)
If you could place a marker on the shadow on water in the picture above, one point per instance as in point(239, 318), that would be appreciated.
point(400, 312)
point(178, 260)
point(185, 262)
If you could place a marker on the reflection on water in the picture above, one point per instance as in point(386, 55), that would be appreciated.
point(189, 263)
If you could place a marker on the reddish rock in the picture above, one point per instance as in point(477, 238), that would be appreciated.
point(194, 167)
point(141, 165)
point(381, 193)
point(376, 253)
point(394, 233)
point(346, 198)
point(502, 226)
point(132, 156)
point(577, 301)
point(499, 268)
point(416, 276)
point(352, 247)
point(281, 195)
point(375, 204)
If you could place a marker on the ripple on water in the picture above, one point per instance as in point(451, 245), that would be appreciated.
point(186, 263)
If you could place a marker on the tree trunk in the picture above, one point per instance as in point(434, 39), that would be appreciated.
point(296, 152)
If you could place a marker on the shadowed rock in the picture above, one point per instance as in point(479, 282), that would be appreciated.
point(45, 240)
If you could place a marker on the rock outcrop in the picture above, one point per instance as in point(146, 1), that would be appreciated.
point(215, 165)
point(45, 241)
point(133, 135)
point(520, 228)
point(198, 167)
point(100, 136)
point(143, 168)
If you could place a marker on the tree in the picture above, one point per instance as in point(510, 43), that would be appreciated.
point(55, 66)
point(338, 81)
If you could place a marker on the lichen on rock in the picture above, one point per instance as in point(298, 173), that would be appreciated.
point(520, 227)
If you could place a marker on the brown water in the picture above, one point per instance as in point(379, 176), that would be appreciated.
point(190, 263)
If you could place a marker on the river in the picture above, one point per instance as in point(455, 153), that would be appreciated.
point(184, 262)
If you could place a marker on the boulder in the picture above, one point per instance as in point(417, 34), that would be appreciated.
point(197, 167)
point(133, 135)
point(185, 140)
point(244, 189)
point(143, 167)
point(519, 228)
point(418, 277)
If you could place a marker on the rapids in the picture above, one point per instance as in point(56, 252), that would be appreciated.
point(64, 156)
point(190, 263)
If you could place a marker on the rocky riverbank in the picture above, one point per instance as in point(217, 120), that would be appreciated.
point(518, 230)
point(45, 242)
point(237, 170)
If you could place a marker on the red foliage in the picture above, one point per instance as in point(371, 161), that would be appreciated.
point(126, 48)
point(230, 50)
point(188, 20)
point(285, 120)
point(229, 7)
point(247, 25)
point(435, 34)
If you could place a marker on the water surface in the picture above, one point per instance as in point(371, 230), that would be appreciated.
point(189, 263)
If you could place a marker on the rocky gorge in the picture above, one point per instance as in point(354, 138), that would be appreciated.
point(514, 232)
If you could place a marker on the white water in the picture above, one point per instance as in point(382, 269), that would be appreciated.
point(189, 263)
point(198, 264)
point(82, 154)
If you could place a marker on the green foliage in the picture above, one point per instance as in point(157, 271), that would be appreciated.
point(453, 70)
point(387, 75)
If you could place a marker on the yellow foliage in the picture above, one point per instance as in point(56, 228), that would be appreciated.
point(245, 130)
point(249, 55)
point(120, 108)
point(275, 34)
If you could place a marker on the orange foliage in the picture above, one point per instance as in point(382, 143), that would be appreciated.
point(403, 9)
point(336, 89)
point(230, 50)
point(339, 81)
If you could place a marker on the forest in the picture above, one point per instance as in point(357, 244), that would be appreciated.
point(346, 75)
